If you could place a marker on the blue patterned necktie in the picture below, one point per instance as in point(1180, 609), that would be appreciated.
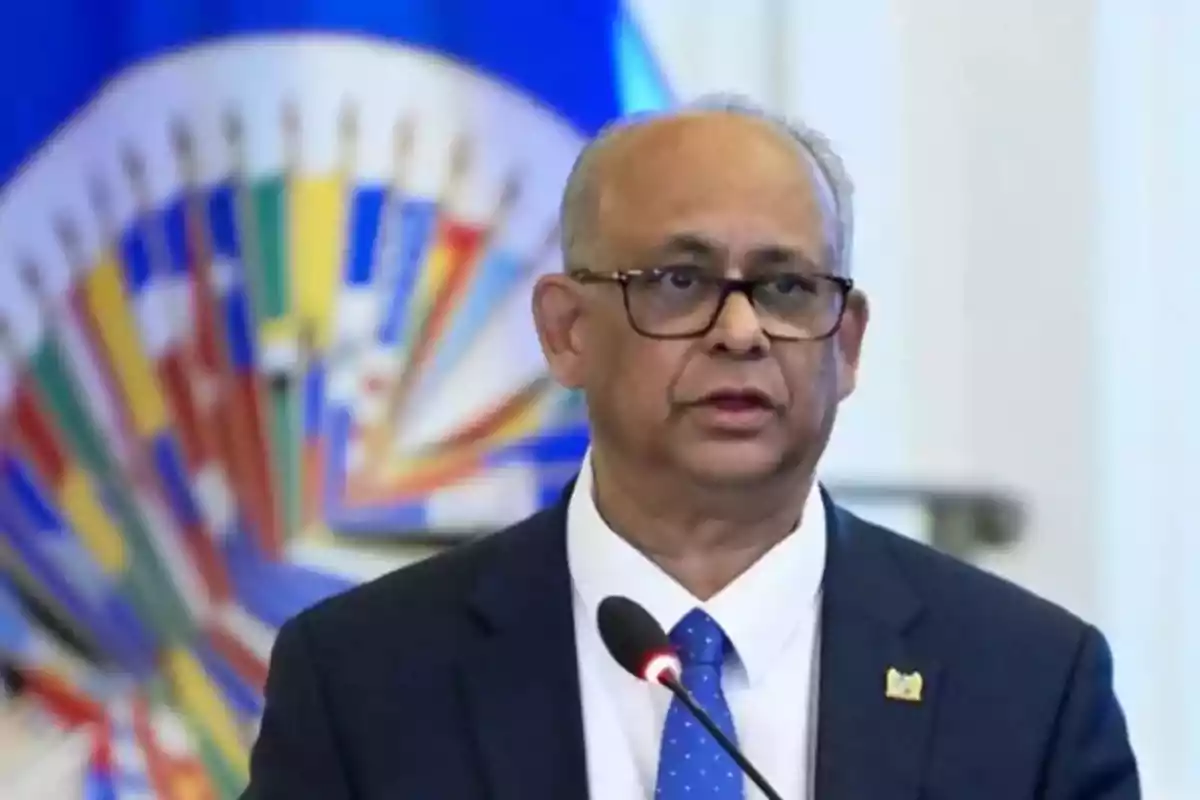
point(691, 764)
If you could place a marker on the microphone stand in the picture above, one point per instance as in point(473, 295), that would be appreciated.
point(669, 680)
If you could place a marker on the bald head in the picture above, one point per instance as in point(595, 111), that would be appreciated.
point(721, 140)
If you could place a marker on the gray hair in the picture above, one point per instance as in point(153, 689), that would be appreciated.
point(834, 181)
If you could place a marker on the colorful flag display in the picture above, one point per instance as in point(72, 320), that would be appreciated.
point(265, 273)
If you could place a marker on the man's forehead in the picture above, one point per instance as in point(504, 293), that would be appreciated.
point(694, 136)
point(701, 160)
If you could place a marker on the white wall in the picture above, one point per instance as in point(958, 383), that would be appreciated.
point(1146, 292)
point(1027, 176)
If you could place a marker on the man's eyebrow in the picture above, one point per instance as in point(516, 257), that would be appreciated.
point(767, 256)
point(779, 256)
point(690, 244)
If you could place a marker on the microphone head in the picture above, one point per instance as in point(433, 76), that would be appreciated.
point(636, 641)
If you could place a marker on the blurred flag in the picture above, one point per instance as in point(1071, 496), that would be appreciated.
point(329, 272)
point(268, 298)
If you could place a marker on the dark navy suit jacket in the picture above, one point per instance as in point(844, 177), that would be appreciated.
point(456, 679)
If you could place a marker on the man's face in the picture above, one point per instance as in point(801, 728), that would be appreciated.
point(726, 196)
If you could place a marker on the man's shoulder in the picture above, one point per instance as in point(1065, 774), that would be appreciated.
point(969, 602)
point(426, 595)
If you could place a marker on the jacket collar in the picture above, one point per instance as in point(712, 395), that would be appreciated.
point(521, 680)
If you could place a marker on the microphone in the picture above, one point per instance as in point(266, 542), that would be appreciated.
point(638, 643)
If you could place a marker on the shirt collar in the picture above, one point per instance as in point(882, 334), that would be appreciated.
point(760, 611)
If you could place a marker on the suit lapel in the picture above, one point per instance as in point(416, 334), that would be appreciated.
point(873, 732)
point(520, 677)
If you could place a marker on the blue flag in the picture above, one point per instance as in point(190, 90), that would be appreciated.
point(56, 55)
point(265, 294)
point(301, 237)
point(15, 633)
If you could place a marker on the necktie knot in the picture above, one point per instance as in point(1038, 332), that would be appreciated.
point(699, 640)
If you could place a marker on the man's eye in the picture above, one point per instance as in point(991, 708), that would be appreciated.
point(681, 280)
point(791, 284)
point(677, 278)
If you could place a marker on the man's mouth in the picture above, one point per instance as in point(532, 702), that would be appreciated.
point(738, 400)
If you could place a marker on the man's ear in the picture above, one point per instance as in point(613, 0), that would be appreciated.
point(849, 341)
point(558, 316)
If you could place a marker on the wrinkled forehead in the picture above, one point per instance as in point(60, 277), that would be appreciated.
point(734, 181)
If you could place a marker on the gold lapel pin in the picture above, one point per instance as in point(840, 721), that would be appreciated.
point(904, 686)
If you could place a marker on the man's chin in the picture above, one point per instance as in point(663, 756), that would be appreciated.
point(733, 463)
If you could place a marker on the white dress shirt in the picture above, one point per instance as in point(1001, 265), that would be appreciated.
point(770, 614)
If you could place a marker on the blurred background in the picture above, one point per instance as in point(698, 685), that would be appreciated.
point(264, 334)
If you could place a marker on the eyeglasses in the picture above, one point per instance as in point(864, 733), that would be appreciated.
point(686, 302)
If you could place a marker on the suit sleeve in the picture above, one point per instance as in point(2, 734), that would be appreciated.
point(295, 756)
point(1090, 756)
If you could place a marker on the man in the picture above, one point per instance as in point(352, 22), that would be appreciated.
point(708, 314)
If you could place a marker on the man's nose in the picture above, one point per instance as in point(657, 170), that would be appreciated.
point(738, 328)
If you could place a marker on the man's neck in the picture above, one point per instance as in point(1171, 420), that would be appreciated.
point(702, 537)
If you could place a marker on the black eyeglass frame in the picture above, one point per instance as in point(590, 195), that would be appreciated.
point(728, 287)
